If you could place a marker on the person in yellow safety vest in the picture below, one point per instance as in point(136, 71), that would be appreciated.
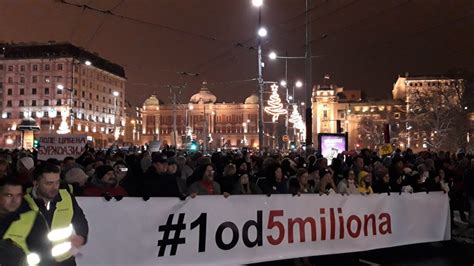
point(22, 231)
point(67, 223)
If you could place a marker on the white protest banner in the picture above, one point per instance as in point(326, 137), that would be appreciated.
point(212, 230)
point(60, 146)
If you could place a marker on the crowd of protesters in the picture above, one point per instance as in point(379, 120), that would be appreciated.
point(170, 173)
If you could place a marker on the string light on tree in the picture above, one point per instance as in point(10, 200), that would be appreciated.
point(275, 107)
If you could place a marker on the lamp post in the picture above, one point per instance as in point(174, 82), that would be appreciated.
point(262, 32)
point(289, 99)
point(116, 128)
point(71, 91)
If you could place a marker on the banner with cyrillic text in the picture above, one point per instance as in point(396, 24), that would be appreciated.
point(213, 230)
point(61, 146)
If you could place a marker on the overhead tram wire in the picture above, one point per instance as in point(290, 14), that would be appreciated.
point(143, 22)
point(415, 34)
point(325, 15)
point(101, 24)
point(355, 23)
point(244, 44)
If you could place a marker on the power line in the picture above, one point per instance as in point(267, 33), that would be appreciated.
point(325, 15)
point(143, 22)
point(351, 25)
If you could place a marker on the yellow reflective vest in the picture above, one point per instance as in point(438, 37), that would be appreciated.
point(19, 230)
point(62, 219)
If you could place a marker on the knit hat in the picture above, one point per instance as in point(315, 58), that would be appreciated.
point(362, 175)
point(102, 170)
point(27, 162)
point(76, 175)
point(323, 172)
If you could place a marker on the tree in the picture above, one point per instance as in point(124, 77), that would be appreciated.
point(371, 131)
point(435, 115)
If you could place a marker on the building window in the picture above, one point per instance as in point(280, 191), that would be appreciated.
point(325, 114)
point(46, 90)
point(10, 80)
point(34, 79)
point(33, 91)
point(58, 102)
point(22, 103)
point(1, 66)
point(22, 91)
point(33, 103)
point(22, 68)
point(9, 115)
point(83, 106)
point(76, 81)
point(22, 115)
point(9, 103)
point(10, 91)
point(22, 80)
point(35, 67)
point(46, 102)
point(97, 97)
point(46, 67)
point(60, 66)
point(83, 94)
point(58, 91)
point(103, 99)
point(46, 79)
point(90, 96)
point(33, 114)
point(10, 68)
point(90, 106)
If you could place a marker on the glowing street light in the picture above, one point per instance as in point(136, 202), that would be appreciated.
point(88, 63)
point(257, 3)
point(60, 87)
point(272, 55)
point(115, 93)
point(262, 32)
point(283, 83)
point(299, 84)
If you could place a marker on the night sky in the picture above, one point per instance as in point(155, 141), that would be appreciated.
point(366, 44)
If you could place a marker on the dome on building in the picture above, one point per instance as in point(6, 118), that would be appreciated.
point(204, 95)
point(252, 99)
point(152, 101)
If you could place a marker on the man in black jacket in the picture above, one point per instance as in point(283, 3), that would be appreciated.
point(23, 233)
point(157, 182)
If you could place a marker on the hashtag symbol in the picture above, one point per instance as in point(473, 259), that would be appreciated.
point(167, 229)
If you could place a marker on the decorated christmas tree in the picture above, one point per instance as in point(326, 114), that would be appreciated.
point(275, 107)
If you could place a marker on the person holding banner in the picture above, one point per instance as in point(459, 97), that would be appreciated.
point(207, 185)
point(365, 182)
point(66, 220)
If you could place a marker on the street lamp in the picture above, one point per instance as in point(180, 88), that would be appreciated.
point(262, 32)
point(299, 84)
point(88, 63)
point(283, 83)
point(272, 55)
point(117, 129)
point(257, 3)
